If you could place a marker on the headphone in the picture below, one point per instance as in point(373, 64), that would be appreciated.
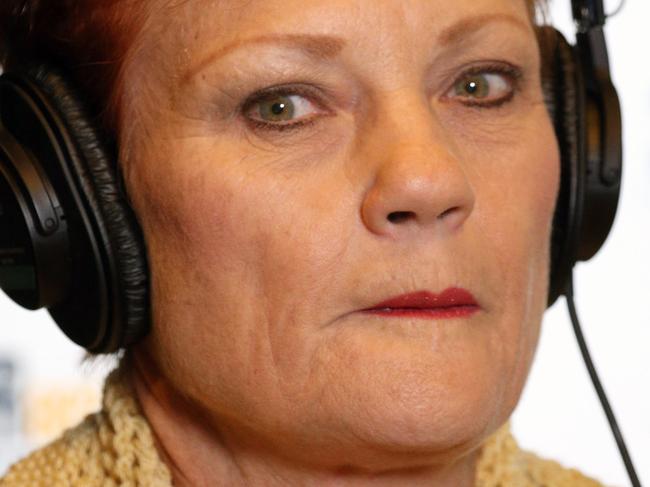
point(69, 240)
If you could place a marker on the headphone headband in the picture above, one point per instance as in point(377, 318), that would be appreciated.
point(588, 14)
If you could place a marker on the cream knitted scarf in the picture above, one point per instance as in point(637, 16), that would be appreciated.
point(115, 447)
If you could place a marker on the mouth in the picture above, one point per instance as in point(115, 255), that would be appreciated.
point(451, 303)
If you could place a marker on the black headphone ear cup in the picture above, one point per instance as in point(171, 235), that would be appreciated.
point(118, 235)
point(562, 88)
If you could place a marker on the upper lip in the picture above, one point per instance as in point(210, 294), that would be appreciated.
point(450, 297)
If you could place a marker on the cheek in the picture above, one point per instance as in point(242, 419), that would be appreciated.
point(239, 257)
point(517, 186)
point(236, 257)
point(515, 221)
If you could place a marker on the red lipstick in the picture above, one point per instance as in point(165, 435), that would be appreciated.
point(451, 303)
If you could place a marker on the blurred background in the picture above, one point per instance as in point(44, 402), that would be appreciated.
point(45, 387)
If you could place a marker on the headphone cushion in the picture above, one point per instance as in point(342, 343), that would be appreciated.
point(561, 90)
point(97, 177)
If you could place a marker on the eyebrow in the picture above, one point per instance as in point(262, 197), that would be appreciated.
point(456, 31)
point(322, 47)
point(317, 47)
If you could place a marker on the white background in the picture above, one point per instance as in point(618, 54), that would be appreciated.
point(559, 415)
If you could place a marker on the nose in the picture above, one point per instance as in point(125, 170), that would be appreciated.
point(418, 184)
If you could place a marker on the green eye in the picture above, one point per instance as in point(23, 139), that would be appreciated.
point(476, 86)
point(486, 86)
point(279, 108)
point(283, 108)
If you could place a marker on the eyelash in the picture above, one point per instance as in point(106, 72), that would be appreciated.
point(512, 73)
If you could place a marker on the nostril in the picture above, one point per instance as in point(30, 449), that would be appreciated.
point(400, 216)
point(447, 212)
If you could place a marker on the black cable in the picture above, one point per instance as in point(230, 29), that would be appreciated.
point(599, 388)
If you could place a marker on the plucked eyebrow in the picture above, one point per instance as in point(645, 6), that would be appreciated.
point(317, 47)
point(468, 25)
point(320, 47)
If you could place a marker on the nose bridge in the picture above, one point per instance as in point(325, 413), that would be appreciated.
point(418, 179)
point(410, 133)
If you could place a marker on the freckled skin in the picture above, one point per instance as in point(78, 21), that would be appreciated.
point(264, 245)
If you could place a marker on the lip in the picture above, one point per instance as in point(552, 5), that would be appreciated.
point(451, 303)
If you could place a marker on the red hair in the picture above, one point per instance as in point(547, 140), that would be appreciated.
point(88, 39)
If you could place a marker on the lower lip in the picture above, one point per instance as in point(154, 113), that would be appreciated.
point(429, 313)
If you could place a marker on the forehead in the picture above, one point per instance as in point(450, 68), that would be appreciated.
point(191, 24)
point(234, 15)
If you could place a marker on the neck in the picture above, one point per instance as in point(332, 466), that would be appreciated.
point(197, 453)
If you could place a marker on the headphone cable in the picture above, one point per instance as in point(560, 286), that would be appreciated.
point(598, 386)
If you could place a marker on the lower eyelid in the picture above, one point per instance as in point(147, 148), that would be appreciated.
point(261, 126)
point(493, 103)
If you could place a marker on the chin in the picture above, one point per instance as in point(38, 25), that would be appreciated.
point(409, 432)
point(422, 405)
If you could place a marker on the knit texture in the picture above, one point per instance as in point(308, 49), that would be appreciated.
point(115, 447)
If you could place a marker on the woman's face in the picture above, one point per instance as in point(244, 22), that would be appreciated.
point(294, 163)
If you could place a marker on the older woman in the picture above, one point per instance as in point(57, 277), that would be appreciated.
point(347, 208)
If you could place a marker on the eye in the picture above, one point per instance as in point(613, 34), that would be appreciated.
point(488, 87)
point(279, 109)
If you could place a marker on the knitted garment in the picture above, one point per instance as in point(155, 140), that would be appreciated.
point(115, 447)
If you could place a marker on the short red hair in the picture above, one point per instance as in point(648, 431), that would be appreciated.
point(88, 39)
